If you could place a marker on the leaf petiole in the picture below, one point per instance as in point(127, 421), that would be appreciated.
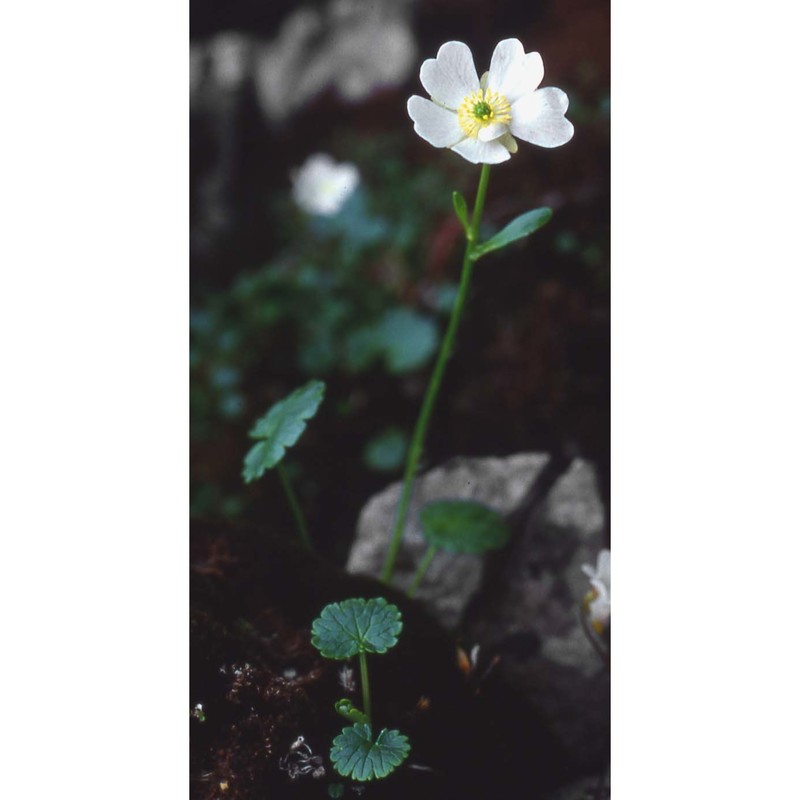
point(297, 512)
point(422, 569)
point(362, 661)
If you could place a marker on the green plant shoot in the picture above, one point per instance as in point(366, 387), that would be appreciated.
point(343, 630)
point(522, 226)
point(458, 526)
point(276, 431)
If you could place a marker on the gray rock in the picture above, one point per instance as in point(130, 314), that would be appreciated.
point(452, 578)
point(353, 46)
point(527, 612)
point(520, 603)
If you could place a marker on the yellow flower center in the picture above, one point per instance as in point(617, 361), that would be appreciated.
point(481, 108)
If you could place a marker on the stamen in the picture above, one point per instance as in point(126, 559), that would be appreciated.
point(481, 108)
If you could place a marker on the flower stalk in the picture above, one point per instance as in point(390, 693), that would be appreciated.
point(432, 392)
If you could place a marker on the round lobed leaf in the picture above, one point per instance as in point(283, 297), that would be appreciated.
point(409, 339)
point(280, 428)
point(463, 526)
point(345, 708)
point(402, 337)
point(356, 626)
point(355, 755)
point(386, 451)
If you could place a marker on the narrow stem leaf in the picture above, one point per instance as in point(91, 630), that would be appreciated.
point(524, 225)
point(462, 212)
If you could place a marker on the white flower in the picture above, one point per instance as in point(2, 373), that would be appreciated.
point(321, 186)
point(479, 119)
point(599, 599)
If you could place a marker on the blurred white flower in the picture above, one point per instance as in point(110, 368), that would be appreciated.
point(321, 186)
point(479, 119)
point(598, 600)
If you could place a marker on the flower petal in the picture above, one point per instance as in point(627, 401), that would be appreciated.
point(533, 73)
point(539, 118)
point(600, 588)
point(509, 142)
point(604, 566)
point(451, 76)
point(505, 56)
point(321, 186)
point(436, 125)
point(479, 152)
point(600, 610)
point(514, 73)
point(493, 131)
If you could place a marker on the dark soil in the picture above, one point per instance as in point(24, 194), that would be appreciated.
point(262, 685)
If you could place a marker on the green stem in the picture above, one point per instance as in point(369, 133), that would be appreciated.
point(421, 428)
point(421, 570)
point(362, 660)
point(296, 511)
point(480, 199)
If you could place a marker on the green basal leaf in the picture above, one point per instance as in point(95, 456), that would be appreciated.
point(335, 790)
point(445, 297)
point(355, 755)
point(356, 626)
point(255, 462)
point(463, 526)
point(346, 708)
point(408, 338)
point(386, 451)
point(280, 428)
point(524, 225)
point(362, 347)
point(403, 338)
point(460, 207)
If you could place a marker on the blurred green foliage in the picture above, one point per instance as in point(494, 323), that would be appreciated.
point(342, 295)
point(386, 451)
point(280, 428)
